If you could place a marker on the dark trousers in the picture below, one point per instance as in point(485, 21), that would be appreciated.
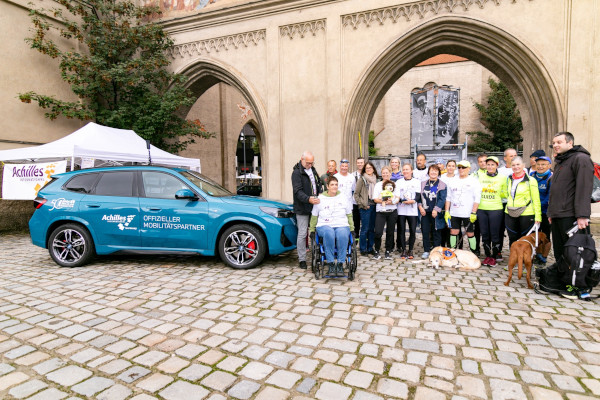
point(427, 227)
point(356, 219)
point(490, 223)
point(518, 227)
point(387, 219)
point(445, 237)
point(477, 230)
point(412, 229)
point(545, 226)
point(559, 227)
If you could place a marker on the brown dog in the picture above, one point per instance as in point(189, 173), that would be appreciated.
point(521, 253)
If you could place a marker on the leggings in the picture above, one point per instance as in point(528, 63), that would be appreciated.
point(387, 219)
point(490, 223)
point(412, 229)
point(518, 227)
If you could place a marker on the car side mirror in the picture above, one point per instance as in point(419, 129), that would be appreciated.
point(185, 194)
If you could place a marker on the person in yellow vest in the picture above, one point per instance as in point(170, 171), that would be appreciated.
point(491, 211)
point(523, 209)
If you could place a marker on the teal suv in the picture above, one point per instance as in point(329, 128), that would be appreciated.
point(153, 209)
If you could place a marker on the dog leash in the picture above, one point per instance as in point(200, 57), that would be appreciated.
point(536, 229)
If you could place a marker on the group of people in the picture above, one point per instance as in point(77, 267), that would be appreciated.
point(447, 198)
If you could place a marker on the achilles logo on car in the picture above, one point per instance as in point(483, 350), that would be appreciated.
point(61, 203)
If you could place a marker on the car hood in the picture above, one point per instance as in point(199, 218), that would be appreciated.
point(257, 201)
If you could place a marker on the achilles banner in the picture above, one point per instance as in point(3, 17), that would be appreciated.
point(22, 181)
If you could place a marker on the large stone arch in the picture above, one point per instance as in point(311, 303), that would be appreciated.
point(204, 73)
point(507, 57)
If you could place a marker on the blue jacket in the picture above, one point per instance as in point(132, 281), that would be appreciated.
point(544, 183)
point(440, 201)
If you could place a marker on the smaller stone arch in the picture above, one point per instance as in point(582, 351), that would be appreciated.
point(508, 58)
point(205, 73)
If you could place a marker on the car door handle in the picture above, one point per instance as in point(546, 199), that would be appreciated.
point(93, 205)
point(153, 209)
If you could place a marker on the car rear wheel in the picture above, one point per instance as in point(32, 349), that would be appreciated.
point(71, 245)
point(242, 246)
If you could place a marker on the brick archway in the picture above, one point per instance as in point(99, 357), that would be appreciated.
point(508, 58)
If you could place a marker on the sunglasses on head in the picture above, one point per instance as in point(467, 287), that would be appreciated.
point(461, 167)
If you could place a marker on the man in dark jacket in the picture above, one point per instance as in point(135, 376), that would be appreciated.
point(306, 186)
point(571, 189)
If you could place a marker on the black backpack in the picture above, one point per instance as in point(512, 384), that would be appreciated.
point(578, 261)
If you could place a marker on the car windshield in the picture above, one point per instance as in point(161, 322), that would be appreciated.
point(207, 185)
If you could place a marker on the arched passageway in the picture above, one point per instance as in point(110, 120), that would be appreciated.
point(236, 104)
point(504, 55)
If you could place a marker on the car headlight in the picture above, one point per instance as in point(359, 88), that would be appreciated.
point(277, 212)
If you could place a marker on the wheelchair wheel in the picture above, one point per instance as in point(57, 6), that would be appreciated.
point(315, 259)
point(352, 264)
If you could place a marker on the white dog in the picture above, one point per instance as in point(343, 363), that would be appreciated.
point(445, 257)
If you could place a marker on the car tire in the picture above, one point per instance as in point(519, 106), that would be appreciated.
point(242, 246)
point(71, 245)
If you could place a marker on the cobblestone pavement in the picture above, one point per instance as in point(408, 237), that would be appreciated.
point(171, 327)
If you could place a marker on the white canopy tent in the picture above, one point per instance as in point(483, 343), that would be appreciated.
point(98, 142)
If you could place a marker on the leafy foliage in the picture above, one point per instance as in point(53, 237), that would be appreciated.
point(501, 118)
point(119, 74)
point(372, 149)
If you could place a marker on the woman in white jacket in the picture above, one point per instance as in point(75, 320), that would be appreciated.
point(409, 193)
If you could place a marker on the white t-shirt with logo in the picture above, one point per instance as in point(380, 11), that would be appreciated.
point(312, 181)
point(446, 179)
point(346, 185)
point(420, 174)
point(377, 195)
point(407, 190)
point(332, 211)
point(462, 193)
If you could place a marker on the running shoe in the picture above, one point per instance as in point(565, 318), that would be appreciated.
point(402, 254)
point(409, 255)
point(499, 258)
point(491, 262)
point(572, 293)
point(485, 262)
point(425, 255)
point(376, 255)
point(388, 255)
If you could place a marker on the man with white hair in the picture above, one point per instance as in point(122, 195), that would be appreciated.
point(306, 186)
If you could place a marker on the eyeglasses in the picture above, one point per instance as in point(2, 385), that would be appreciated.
point(462, 167)
point(344, 161)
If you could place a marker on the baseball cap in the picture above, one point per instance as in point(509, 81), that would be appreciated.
point(439, 161)
point(544, 158)
point(494, 159)
point(464, 163)
point(538, 153)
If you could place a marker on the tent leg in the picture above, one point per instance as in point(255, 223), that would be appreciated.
point(72, 163)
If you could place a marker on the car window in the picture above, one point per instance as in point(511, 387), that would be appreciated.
point(82, 183)
point(160, 185)
point(208, 186)
point(115, 184)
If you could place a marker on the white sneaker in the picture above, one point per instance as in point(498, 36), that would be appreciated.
point(425, 255)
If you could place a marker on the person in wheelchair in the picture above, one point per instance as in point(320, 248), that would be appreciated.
point(332, 219)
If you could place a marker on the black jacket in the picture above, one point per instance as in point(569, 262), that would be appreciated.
point(572, 184)
point(303, 189)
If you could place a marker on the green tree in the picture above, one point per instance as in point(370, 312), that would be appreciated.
point(501, 118)
point(372, 149)
point(120, 74)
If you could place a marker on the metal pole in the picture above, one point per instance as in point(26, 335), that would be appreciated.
point(244, 149)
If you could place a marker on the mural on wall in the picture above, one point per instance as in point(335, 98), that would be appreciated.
point(170, 6)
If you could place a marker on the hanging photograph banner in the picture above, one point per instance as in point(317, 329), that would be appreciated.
point(447, 117)
point(422, 117)
point(22, 181)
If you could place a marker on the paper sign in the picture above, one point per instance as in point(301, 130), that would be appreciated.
point(23, 181)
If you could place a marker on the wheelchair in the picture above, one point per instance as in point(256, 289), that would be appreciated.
point(318, 262)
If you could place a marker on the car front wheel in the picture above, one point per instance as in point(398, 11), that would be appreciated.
point(71, 245)
point(242, 246)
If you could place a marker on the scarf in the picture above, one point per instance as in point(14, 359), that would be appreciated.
point(371, 181)
point(516, 177)
point(542, 175)
point(492, 175)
